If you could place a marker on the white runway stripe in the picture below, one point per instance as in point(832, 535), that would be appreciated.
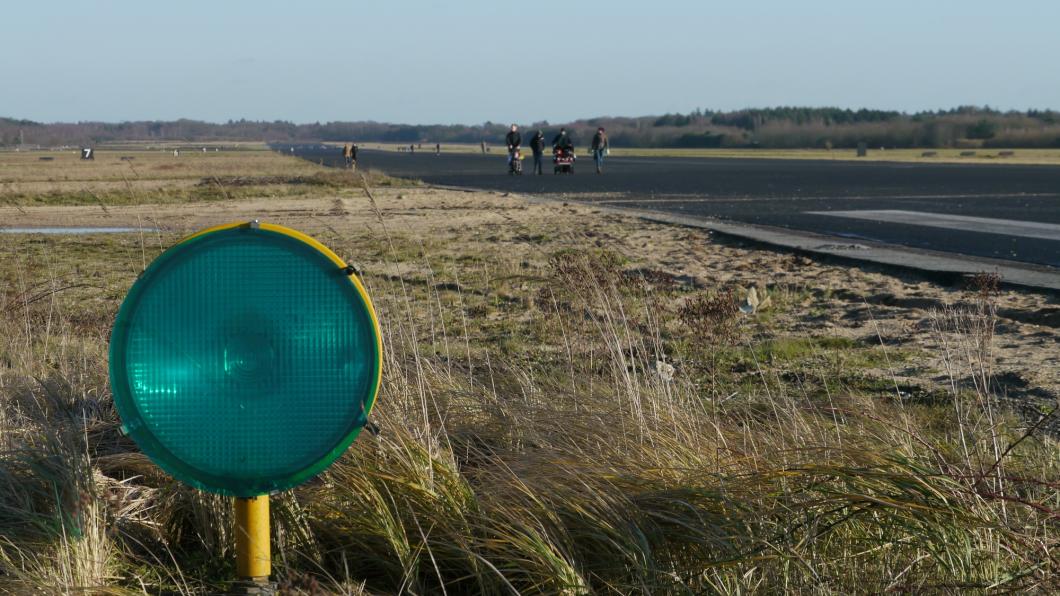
point(1008, 227)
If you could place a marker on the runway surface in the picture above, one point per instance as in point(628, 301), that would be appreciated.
point(1008, 212)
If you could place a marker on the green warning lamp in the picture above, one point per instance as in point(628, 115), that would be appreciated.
point(245, 359)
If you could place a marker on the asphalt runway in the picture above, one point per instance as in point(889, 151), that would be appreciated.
point(1008, 212)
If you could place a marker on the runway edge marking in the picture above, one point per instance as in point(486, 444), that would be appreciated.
point(947, 268)
point(981, 225)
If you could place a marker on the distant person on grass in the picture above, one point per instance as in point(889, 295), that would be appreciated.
point(600, 148)
point(514, 141)
point(537, 146)
point(347, 154)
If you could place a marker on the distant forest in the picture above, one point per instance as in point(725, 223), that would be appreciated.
point(781, 127)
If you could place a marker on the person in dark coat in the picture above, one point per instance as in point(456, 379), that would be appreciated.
point(514, 140)
point(562, 140)
point(537, 146)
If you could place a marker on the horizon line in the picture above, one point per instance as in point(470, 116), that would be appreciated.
point(971, 107)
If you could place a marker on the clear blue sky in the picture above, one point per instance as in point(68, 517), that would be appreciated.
point(421, 61)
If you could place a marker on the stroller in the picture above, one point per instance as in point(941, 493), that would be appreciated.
point(515, 163)
point(563, 160)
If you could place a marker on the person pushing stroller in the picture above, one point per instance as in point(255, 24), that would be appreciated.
point(514, 141)
point(562, 141)
point(563, 153)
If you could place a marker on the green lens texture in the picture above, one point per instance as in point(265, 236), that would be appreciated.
point(244, 361)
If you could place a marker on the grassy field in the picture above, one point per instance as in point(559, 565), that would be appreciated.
point(981, 156)
point(427, 147)
point(158, 177)
point(573, 403)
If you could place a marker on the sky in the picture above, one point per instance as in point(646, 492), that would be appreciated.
point(472, 61)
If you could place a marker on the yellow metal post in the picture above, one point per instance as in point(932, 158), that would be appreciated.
point(253, 549)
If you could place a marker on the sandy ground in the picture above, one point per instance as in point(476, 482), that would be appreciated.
point(822, 299)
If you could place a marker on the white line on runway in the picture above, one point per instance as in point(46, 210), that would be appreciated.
point(687, 198)
point(1008, 227)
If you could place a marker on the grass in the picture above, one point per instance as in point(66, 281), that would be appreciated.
point(157, 177)
point(555, 418)
point(494, 145)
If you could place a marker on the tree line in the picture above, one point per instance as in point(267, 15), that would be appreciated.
point(776, 127)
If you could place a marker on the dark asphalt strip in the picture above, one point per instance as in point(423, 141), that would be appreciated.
point(795, 197)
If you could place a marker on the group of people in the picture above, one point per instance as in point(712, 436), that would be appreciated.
point(561, 142)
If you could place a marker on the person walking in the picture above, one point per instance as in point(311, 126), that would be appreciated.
point(537, 146)
point(514, 141)
point(600, 149)
point(347, 154)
